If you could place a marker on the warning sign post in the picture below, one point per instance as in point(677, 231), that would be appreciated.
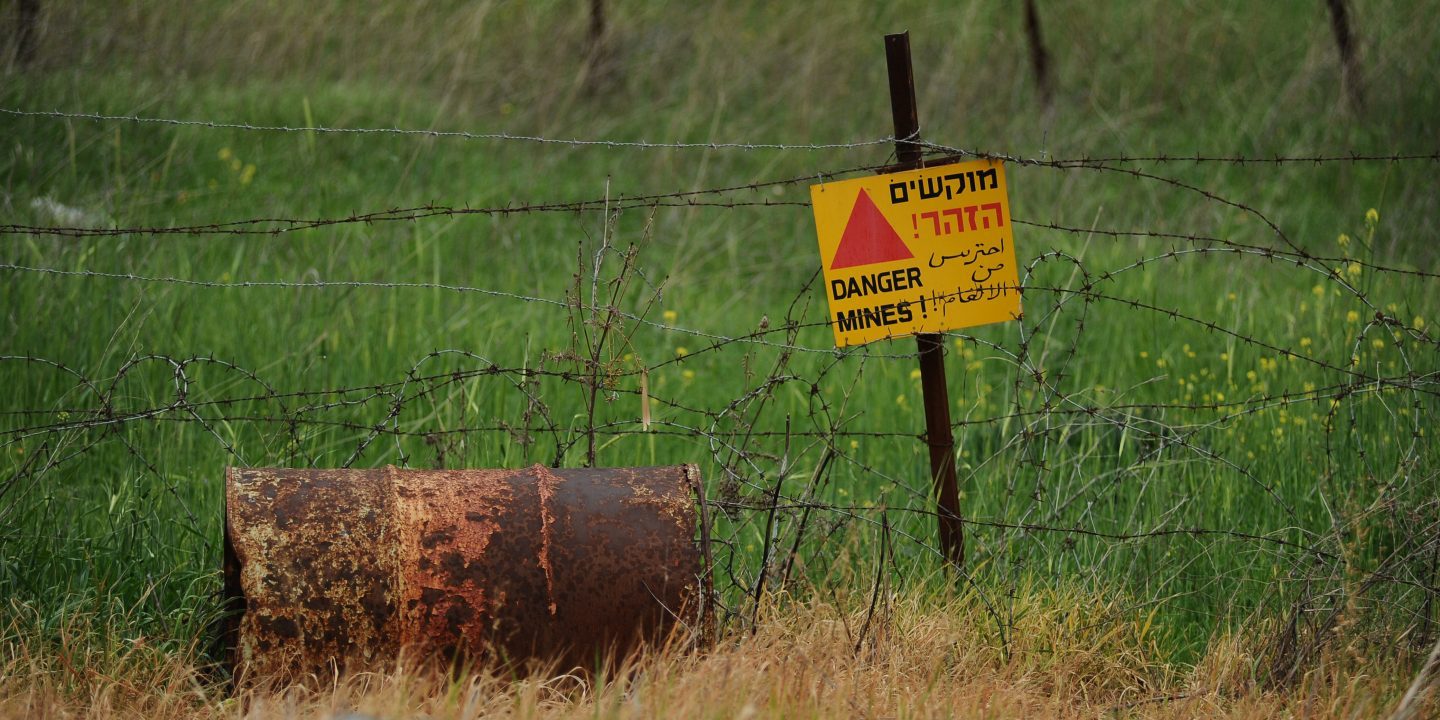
point(918, 252)
point(921, 251)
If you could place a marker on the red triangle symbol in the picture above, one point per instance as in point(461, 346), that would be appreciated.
point(868, 238)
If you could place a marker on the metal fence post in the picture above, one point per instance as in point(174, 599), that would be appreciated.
point(938, 434)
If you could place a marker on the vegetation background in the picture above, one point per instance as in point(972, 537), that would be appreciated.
point(1200, 475)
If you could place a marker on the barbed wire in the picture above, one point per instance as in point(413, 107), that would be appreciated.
point(1072, 467)
point(609, 204)
point(1087, 292)
point(461, 134)
point(938, 153)
point(932, 147)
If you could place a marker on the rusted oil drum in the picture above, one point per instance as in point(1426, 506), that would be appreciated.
point(335, 570)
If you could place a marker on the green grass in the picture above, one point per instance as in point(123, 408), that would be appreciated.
point(131, 518)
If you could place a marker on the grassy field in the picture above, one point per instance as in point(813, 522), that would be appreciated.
point(1215, 421)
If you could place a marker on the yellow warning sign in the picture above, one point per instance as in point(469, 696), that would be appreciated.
point(917, 252)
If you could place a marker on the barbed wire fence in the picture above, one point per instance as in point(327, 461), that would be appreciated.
point(1083, 483)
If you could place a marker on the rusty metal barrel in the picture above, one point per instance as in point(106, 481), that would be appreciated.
point(342, 570)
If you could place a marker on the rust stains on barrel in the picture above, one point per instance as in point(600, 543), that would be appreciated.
point(342, 569)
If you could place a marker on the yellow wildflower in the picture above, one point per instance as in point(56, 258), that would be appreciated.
point(669, 316)
point(1352, 317)
point(1371, 217)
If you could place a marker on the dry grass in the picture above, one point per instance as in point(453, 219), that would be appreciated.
point(1070, 656)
